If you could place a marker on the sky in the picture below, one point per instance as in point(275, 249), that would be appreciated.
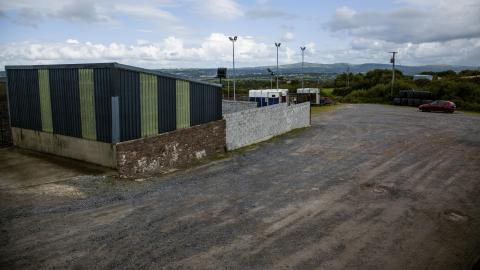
point(194, 33)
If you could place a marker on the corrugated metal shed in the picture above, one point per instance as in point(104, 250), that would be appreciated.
point(76, 100)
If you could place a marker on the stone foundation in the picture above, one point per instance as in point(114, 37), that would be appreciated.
point(170, 151)
point(5, 131)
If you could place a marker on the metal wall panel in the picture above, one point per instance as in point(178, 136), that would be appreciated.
point(167, 107)
point(24, 99)
point(197, 104)
point(148, 104)
point(103, 106)
point(205, 103)
point(64, 90)
point(81, 97)
point(129, 101)
point(183, 104)
point(87, 103)
point(45, 100)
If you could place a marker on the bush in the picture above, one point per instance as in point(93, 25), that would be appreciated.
point(375, 87)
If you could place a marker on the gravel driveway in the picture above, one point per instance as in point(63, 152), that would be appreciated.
point(366, 187)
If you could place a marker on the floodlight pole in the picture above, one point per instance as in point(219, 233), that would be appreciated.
point(303, 57)
point(392, 60)
point(278, 46)
point(233, 40)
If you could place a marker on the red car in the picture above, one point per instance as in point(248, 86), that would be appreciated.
point(438, 106)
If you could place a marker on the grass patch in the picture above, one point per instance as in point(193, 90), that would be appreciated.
point(327, 92)
point(251, 147)
point(475, 113)
point(325, 108)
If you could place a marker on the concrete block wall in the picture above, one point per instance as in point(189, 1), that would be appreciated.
point(230, 106)
point(258, 124)
point(170, 151)
point(71, 147)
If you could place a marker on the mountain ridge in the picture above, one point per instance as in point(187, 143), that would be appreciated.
point(333, 69)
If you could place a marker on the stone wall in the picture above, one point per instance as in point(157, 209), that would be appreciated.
point(170, 151)
point(5, 131)
point(230, 106)
point(255, 125)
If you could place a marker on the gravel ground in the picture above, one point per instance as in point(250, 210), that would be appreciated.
point(366, 187)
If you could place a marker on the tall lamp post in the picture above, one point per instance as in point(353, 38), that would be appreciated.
point(303, 57)
point(233, 39)
point(392, 60)
point(278, 46)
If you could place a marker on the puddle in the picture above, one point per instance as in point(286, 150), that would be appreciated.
point(376, 188)
point(455, 216)
point(380, 189)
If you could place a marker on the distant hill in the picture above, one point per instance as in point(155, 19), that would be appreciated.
point(315, 68)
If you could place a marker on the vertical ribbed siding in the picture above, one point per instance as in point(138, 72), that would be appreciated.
point(45, 100)
point(103, 104)
point(24, 99)
point(149, 104)
point(129, 102)
point(167, 114)
point(87, 103)
point(197, 104)
point(81, 101)
point(183, 104)
point(205, 103)
point(64, 90)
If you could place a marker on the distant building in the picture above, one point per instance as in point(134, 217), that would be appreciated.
point(422, 77)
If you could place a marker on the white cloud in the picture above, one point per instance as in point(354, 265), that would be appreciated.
point(423, 31)
point(219, 9)
point(72, 41)
point(311, 48)
point(422, 21)
point(288, 36)
point(214, 50)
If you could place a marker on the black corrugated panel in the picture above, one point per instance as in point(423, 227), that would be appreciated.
point(65, 99)
point(205, 103)
point(167, 111)
point(103, 104)
point(129, 100)
point(197, 106)
point(218, 114)
point(24, 99)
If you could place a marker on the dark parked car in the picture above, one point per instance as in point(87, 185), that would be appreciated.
point(438, 106)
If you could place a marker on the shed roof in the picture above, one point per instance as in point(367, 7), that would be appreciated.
point(111, 65)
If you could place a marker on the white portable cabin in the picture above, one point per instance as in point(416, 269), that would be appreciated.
point(422, 77)
point(265, 97)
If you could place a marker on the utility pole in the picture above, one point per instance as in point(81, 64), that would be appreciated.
point(278, 46)
point(348, 76)
point(392, 60)
point(271, 77)
point(303, 56)
point(233, 40)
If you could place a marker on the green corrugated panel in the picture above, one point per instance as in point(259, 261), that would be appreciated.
point(183, 104)
point(45, 100)
point(148, 104)
point(87, 103)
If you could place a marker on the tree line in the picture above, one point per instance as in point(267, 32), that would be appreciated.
point(463, 87)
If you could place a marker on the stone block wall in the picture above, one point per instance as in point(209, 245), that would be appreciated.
point(170, 151)
point(230, 106)
point(258, 124)
point(5, 130)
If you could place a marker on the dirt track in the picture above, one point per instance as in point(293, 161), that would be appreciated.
point(367, 187)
